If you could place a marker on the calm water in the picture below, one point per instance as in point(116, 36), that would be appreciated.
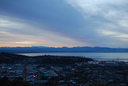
point(96, 56)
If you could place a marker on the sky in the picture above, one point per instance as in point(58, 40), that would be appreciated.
point(58, 23)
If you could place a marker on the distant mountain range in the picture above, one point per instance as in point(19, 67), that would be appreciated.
point(41, 49)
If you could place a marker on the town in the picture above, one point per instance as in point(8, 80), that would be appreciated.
point(105, 73)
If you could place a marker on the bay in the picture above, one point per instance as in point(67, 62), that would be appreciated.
point(95, 56)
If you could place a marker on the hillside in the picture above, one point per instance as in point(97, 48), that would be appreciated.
point(9, 58)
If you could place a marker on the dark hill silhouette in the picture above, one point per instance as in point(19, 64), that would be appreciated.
point(9, 58)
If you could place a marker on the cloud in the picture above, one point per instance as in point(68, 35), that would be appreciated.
point(64, 22)
point(14, 33)
point(114, 34)
point(99, 7)
point(45, 19)
point(110, 18)
point(55, 14)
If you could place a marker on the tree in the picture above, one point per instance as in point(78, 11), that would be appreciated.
point(16, 83)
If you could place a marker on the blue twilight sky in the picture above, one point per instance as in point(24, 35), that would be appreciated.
point(58, 23)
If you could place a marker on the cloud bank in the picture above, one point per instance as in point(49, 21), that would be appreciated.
point(64, 23)
point(111, 17)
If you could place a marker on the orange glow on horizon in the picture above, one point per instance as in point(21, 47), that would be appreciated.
point(4, 45)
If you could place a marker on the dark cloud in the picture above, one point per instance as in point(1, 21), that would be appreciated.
point(54, 13)
point(96, 23)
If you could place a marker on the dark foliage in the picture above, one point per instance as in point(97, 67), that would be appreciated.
point(9, 58)
point(62, 60)
point(46, 59)
point(19, 82)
